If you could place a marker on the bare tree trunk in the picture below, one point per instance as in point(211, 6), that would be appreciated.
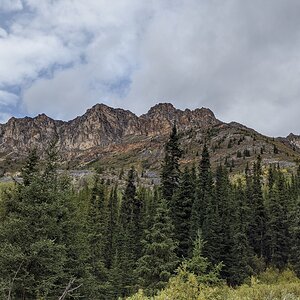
point(12, 282)
point(68, 289)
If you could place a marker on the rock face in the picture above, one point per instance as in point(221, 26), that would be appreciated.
point(294, 140)
point(117, 136)
point(100, 126)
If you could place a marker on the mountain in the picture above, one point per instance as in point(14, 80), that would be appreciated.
point(115, 138)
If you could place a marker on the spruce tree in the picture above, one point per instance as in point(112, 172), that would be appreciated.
point(204, 194)
point(96, 235)
point(277, 237)
point(40, 239)
point(111, 230)
point(170, 168)
point(30, 168)
point(159, 259)
point(295, 236)
point(218, 224)
point(128, 244)
point(181, 212)
point(257, 217)
point(199, 265)
point(240, 267)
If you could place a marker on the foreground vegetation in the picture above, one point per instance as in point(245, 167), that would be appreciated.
point(104, 241)
point(270, 285)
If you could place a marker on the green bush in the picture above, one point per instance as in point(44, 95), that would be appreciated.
point(270, 285)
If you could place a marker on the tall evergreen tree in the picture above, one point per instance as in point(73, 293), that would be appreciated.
point(204, 193)
point(199, 265)
point(111, 230)
point(240, 267)
point(218, 224)
point(128, 239)
point(295, 236)
point(96, 235)
point(38, 235)
point(181, 212)
point(30, 168)
point(159, 259)
point(170, 168)
point(278, 239)
point(257, 218)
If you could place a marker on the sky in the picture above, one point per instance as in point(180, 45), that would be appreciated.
point(239, 58)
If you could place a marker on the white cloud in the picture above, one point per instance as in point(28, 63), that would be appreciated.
point(240, 59)
point(10, 5)
point(3, 33)
point(4, 117)
point(22, 58)
point(8, 99)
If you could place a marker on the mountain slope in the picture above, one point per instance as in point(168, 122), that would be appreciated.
point(116, 137)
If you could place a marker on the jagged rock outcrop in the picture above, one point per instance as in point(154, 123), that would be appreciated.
point(294, 140)
point(117, 137)
point(100, 126)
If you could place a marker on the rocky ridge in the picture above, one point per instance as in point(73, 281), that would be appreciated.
point(118, 137)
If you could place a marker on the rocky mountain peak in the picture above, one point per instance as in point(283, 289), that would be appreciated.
point(294, 140)
point(104, 131)
point(293, 136)
point(162, 108)
point(203, 111)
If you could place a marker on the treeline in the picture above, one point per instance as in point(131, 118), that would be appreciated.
point(104, 241)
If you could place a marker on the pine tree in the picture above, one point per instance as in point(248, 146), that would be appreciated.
point(159, 259)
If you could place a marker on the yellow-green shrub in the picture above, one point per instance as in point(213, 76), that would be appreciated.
point(270, 285)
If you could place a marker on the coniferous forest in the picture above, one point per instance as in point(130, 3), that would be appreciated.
point(197, 229)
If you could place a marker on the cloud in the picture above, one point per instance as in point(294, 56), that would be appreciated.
point(10, 5)
point(4, 117)
point(241, 59)
point(231, 57)
point(3, 33)
point(8, 99)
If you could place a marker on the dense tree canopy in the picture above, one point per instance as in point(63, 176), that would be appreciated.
point(104, 240)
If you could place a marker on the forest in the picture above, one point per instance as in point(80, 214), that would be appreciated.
point(200, 234)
